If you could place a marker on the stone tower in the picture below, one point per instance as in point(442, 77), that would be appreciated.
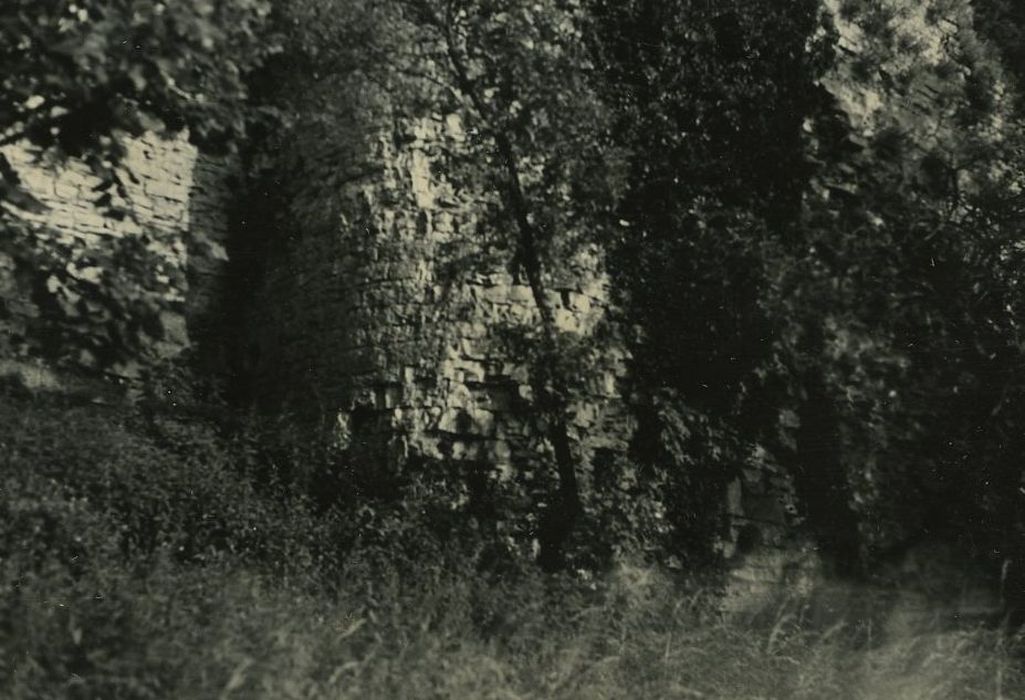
point(387, 310)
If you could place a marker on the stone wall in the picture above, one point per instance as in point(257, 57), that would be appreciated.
point(386, 307)
point(175, 201)
point(766, 550)
point(913, 78)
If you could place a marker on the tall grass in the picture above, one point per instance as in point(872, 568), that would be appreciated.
point(215, 633)
point(130, 569)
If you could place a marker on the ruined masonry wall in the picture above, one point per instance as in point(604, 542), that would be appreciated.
point(380, 314)
point(919, 84)
point(178, 198)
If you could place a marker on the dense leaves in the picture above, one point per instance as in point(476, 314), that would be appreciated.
point(74, 72)
point(912, 282)
point(709, 104)
point(99, 306)
point(836, 299)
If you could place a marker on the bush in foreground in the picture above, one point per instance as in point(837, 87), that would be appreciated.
point(134, 565)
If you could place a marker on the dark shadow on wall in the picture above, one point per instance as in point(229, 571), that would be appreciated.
point(209, 306)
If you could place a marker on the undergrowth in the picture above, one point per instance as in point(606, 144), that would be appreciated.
point(152, 557)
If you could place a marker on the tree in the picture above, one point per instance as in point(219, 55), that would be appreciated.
point(709, 102)
point(903, 302)
point(524, 75)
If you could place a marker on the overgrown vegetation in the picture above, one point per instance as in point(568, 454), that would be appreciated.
point(153, 554)
point(80, 77)
point(807, 295)
point(838, 302)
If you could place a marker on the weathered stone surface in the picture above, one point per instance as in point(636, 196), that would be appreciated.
point(399, 287)
point(177, 198)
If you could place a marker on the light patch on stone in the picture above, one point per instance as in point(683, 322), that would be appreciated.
point(160, 192)
point(420, 175)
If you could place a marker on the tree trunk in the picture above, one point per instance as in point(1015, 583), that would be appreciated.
point(552, 389)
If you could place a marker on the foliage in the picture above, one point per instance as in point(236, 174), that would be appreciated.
point(830, 302)
point(79, 71)
point(709, 103)
point(82, 619)
point(912, 282)
point(163, 488)
point(80, 77)
point(156, 552)
point(99, 306)
point(836, 300)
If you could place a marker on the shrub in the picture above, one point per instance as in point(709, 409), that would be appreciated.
point(152, 556)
